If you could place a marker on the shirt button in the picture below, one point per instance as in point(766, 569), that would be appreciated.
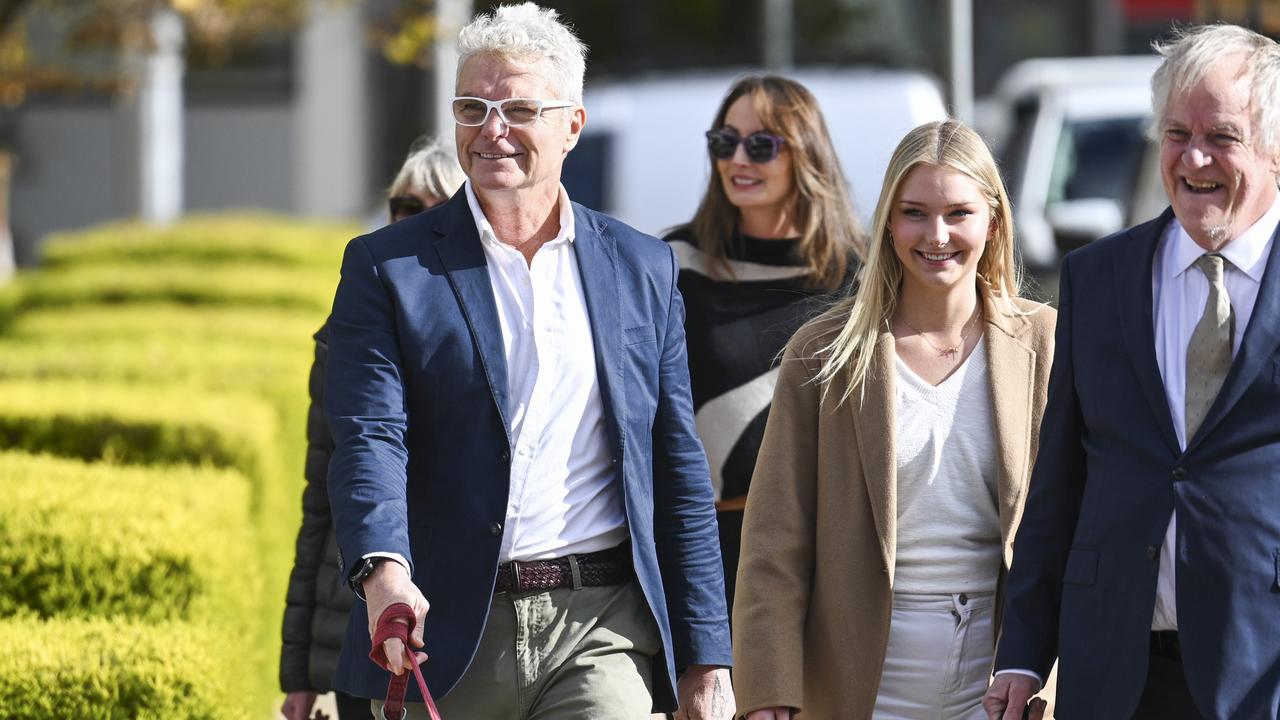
point(1152, 551)
point(495, 529)
point(964, 599)
point(1179, 473)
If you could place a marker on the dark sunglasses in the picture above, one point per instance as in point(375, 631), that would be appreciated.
point(403, 206)
point(761, 147)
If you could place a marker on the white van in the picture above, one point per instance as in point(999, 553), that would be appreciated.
point(1070, 136)
point(643, 155)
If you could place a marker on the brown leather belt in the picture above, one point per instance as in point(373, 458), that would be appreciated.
point(607, 567)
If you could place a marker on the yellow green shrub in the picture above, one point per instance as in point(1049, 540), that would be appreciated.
point(209, 240)
point(141, 425)
point(304, 288)
point(122, 670)
point(97, 540)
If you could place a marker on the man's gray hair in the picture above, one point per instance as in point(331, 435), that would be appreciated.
point(1193, 50)
point(431, 169)
point(527, 35)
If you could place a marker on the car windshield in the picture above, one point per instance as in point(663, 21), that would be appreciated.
point(1098, 159)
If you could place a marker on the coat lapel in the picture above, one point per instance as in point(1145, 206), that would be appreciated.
point(457, 244)
point(1011, 368)
point(873, 419)
point(598, 267)
point(1132, 278)
point(1256, 347)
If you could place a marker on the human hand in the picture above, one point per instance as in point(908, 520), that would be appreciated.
point(1012, 693)
point(390, 584)
point(297, 705)
point(773, 713)
point(704, 693)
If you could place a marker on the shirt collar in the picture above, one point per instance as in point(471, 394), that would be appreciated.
point(1247, 253)
point(487, 235)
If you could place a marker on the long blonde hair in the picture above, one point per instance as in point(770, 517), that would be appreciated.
point(829, 231)
point(944, 144)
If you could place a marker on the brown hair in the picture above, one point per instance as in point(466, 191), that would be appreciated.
point(829, 231)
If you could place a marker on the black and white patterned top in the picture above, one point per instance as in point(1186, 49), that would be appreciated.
point(736, 330)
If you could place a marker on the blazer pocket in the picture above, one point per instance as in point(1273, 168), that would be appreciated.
point(638, 334)
point(1082, 567)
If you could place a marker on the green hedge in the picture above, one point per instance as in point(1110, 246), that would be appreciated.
point(184, 283)
point(146, 426)
point(80, 540)
point(113, 670)
point(268, 329)
point(207, 240)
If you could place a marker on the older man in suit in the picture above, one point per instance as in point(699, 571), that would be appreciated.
point(515, 455)
point(1148, 559)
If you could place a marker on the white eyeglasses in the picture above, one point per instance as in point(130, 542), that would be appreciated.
point(514, 112)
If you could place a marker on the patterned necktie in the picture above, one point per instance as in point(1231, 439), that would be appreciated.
point(1209, 352)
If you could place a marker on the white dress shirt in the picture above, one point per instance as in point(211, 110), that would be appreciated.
point(563, 497)
point(1179, 293)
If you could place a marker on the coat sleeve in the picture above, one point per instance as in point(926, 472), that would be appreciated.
point(1033, 592)
point(775, 571)
point(300, 600)
point(685, 529)
point(365, 406)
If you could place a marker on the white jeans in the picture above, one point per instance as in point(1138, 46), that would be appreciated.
point(938, 663)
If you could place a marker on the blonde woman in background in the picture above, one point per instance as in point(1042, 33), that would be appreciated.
point(896, 459)
point(319, 599)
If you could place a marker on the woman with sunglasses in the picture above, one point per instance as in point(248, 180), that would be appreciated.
point(318, 600)
point(894, 468)
point(773, 240)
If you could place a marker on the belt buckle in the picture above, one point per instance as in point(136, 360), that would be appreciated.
point(515, 577)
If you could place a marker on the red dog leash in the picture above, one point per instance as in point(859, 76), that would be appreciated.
point(393, 708)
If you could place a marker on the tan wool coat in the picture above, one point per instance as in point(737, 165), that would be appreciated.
point(815, 580)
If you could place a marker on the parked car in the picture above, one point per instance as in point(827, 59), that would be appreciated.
point(642, 156)
point(1070, 135)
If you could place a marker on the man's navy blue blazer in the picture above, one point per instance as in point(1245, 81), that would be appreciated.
point(1083, 582)
point(416, 397)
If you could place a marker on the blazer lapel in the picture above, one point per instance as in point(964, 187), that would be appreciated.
point(598, 267)
point(873, 419)
point(1011, 367)
point(1132, 278)
point(457, 243)
point(1256, 347)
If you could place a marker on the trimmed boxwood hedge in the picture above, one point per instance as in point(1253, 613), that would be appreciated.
point(104, 669)
point(141, 426)
point(302, 288)
point(87, 540)
point(208, 240)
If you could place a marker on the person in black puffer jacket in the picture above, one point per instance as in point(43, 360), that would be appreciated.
point(318, 600)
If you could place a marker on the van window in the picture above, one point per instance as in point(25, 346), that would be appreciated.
point(586, 172)
point(1098, 159)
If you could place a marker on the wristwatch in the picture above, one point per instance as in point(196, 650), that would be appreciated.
point(362, 572)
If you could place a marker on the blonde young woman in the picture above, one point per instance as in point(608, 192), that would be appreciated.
point(772, 243)
point(895, 461)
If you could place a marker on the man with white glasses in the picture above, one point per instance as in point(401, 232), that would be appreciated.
point(515, 456)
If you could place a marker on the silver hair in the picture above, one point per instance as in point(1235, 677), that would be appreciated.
point(1190, 54)
point(431, 169)
point(528, 35)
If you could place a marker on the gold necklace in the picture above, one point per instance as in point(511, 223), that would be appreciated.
point(951, 350)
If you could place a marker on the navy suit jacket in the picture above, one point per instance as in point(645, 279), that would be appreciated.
point(1083, 582)
point(416, 396)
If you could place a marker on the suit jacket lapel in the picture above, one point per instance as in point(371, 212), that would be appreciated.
point(1256, 347)
point(457, 243)
point(598, 267)
point(873, 419)
point(1011, 371)
point(1132, 278)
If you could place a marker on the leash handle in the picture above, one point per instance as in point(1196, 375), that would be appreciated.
point(387, 628)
